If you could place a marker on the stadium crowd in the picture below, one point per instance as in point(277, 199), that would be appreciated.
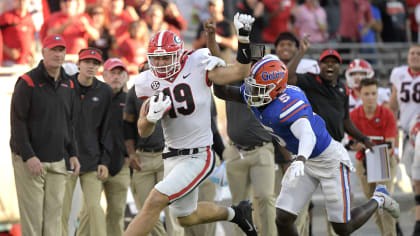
point(74, 119)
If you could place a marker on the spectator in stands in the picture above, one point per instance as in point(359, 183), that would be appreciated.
point(18, 32)
point(119, 20)
point(379, 123)
point(116, 186)
point(225, 34)
point(141, 6)
point(155, 20)
point(286, 47)
point(94, 141)
point(1, 47)
point(76, 28)
point(395, 19)
point(373, 34)
point(145, 155)
point(280, 17)
point(332, 9)
point(106, 41)
point(356, 20)
point(41, 136)
point(173, 17)
point(310, 18)
point(414, 27)
point(133, 50)
point(256, 9)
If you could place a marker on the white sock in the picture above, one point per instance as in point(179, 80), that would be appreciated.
point(379, 199)
point(231, 214)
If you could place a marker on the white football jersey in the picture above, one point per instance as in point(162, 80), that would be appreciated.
point(384, 95)
point(187, 124)
point(408, 94)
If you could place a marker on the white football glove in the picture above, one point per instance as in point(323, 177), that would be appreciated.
point(243, 25)
point(211, 62)
point(295, 170)
point(158, 108)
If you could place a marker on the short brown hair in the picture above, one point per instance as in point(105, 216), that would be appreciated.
point(367, 82)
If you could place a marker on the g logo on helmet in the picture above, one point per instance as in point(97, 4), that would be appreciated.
point(177, 40)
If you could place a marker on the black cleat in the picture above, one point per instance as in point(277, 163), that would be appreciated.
point(243, 218)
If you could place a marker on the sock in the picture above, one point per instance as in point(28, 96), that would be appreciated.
point(379, 199)
point(231, 214)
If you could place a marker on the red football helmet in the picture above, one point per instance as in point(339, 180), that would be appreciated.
point(358, 65)
point(268, 78)
point(164, 54)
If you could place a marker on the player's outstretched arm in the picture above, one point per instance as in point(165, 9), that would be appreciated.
point(293, 64)
point(239, 70)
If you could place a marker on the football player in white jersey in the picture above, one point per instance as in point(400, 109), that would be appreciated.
point(178, 86)
point(357, 70)
point(415, 143)
point(405, 98)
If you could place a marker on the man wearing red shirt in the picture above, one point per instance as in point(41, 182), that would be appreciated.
point(75, 28)
point(18, 32)
point(378, 123)
point(119, 20)
point(279, 11)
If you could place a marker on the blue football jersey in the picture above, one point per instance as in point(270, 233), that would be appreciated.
point(279, 115)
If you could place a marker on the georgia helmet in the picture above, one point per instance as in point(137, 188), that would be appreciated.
point(358, 65)
point(164, 54)
point(268, 78)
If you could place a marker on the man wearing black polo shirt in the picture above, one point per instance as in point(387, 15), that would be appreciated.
point(41, 137)
point(93, 140)
point(328, 95)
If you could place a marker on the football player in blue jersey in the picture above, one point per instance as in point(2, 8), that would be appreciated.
point(320, 160)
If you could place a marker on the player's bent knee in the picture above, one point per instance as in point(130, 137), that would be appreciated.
point(157, 200)
point(341, 228)
point(284, 217)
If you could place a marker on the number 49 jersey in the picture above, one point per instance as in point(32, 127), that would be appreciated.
point(279, 115)
point(408, 94)
point(187, 125)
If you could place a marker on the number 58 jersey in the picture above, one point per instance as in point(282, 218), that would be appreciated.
point(407, 86)
point(278, 116)
point(187, 124)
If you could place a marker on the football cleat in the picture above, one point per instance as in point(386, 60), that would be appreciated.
point(243, 218)
point(389, 204)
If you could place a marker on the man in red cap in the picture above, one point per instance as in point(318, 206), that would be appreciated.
point(42, 138)
point(116, 185)
point(93, 100)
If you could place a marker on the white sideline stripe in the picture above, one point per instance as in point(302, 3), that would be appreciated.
point(290, 109)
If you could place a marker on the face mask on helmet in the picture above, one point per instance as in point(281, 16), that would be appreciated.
point(164, 54)
point(357, 70)
point(267, 79)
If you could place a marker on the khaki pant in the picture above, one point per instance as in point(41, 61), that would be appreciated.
point(94, 223)
point(255, 169)
point(143, 182)
point(67, 202)
point(115, 188)
point(302, 220)
point(206, 192)
point(385, 222)
point(40, 198)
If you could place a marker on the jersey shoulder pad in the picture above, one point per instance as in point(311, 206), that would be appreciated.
point(145, 84)
point(293, 104)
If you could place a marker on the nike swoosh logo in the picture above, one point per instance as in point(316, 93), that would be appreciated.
point(185, 76)
point(155, 111)
point(249, 225)
point(244, 52)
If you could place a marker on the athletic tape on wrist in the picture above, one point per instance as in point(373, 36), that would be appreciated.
point(243, 55)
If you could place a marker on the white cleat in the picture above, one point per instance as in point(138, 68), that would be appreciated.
point(389, 204)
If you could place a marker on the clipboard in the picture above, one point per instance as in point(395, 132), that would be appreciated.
point(378, 164)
